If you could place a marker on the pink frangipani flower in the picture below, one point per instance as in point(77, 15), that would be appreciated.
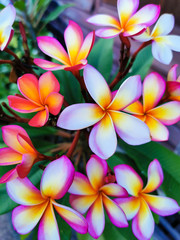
point(156, 117)
point(106, 114)
point(7, 17)
point(131, 22)
point(173, 84)
point(38, 206)
point(138, 206)
point(162, 43)
point(78, 49)
point(91, 194)
point(20, 151)
point(40, 96)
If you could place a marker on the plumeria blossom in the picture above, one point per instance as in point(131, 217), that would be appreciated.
point(139, 205)
point(40, 96)
point(20, 151)
point(90, 194)
point(131, 22)
point(39, 205)
point(162, 43)
point(173, 84)
point(156, 117)
point(77, 49)
point(7, 17)
point(106, 115)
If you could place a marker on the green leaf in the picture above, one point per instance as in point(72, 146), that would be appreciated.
point(70, 87)
point(24, 237)
point(170, 162)
point(54, 14)
point(20, 5)
point(101, 57)
point(142, 63)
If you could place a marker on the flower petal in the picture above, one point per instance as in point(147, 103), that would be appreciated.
point(9, 176)
point(114, 212)
point(48, 84)
point(143, 223)
point(168, 113)
point(102, 139)
point(129, 92)
point(40, 119)
point(24, 168)
point(57, 178)
point(6, 36)
point(79, 116)
point(20, 104)
point(9, 11)
point(158, 131)
point(47, 65)
point(52, 47)
point(155, 176)
point(164, 25)
point(127, 177)
point(126, 10)
point(86, 46)
point(95, 218)
point(172, 74)
point(82, 203)
point(9, 157)
point(132, 130)
point(96, 169)
point(25, 218)
point(10, 136)
point(104, 20)
point(28, 86)
point(162, 206)
point(73, 218)
point(22, 191)
point(147, 15)
point(54, 101)
point(97, 86)
point(81, 185)
point(153, 89)
point(26, 144)
point(73, 37)
point(114, 190)
point(162, 52)
point(135, 108)
point(174, 90)
point(134, 30)
point(48, 228)
point(143, 37)
point(173, 42)
point(108, 32)
point(129, 205)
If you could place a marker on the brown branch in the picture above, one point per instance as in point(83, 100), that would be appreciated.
point(73, 145)
point(6, 62)
point(121, 75)
point(11, 53)
point(82, 84)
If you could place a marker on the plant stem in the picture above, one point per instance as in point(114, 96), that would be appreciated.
point(11, 53)
point(6, 61)
point(73, 145)
point(121, 75)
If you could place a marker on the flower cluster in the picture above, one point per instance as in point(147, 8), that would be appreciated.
point(137, 110)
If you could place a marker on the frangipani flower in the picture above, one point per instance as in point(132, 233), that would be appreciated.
point(20, 151)
point(38, 96)
point(78, 49)
point(39, 205)
point(106, 115)
point(173, 84)
point(7, 17)
point(138, 206)
point(131, 22)
point(162, 43)
point(90, 194)
point(156, 117)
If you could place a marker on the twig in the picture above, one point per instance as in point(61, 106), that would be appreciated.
point(73, 145)
point(11, 53)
